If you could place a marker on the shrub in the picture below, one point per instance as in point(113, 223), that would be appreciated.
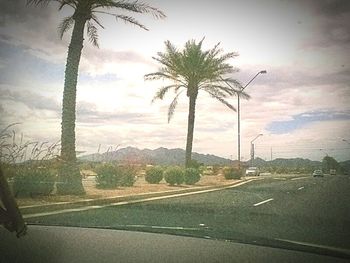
point(154, 175)
point(195, 164)
point(174, 175)
point(192, 176)
point(127, 175)
point(106, 176)
point(31, 181)
point(232, 173)
point(112, 176)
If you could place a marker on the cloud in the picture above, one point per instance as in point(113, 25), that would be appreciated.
point(307, 141)
point(34, 30)
point(331, 8)
point(31, 100)
point(33, 27)
point(333, 23)
point(304, 119)
point(18, 11)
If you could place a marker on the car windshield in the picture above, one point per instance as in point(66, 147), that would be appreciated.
point(197, 118)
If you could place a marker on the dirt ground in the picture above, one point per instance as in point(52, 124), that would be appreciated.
point(140, 187)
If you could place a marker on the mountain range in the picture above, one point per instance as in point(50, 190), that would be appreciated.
point(161, 156)
point(164, 156)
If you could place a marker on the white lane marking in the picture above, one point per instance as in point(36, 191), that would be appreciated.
point(85, 208)
point(301, 188)
point(263, 202)
point(277, 178)
point(298, 178)
point(343, 250)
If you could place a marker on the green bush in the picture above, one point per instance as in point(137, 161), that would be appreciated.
point(195, 164)
point(154, 175)
point(31, 181)
point(174, 175)
point(112, 176)
point(127, 175)
point(232, 173)
point(191, 176)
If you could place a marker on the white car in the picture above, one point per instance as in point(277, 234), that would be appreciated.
point(252, 171)
point(317, 173)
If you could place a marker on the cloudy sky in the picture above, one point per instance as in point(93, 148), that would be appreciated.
point(301, 106)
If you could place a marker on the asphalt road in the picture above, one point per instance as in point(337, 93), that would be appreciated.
point(297, 209)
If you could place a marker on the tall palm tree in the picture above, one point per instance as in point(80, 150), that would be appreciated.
point(85, 14)
point(192, 70)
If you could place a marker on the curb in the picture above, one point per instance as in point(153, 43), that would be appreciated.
point(103, 201)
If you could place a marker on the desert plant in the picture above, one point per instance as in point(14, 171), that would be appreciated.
point(111, 176)
point(191, 176)
point(174, 175)
point(195, 164)
point(127, 175)
point(31, 181)
point(154, 175)
point(32, 166)
point(15, 149)
point(232, 173)
point(106, 176)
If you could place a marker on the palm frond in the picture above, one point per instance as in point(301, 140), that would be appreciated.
point(72, 3)
point(62, 3)
point(131, 20)
point(135, 6)
point(172, 106)
point(224, 93)
point(92, 33)
point(65, 25)
point(162, 75)
point(162, 91)
point(232, 83)
point(244, 95)
point(96, 20)
point(39, 2)
point(221, 99)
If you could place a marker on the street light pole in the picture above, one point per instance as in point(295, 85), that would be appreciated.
point(252, 148)
point(239, 115)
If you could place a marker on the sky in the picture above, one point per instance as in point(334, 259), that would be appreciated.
point(301, 106)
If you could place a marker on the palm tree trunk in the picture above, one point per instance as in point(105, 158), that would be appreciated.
point(190, 128)
point(70, 181)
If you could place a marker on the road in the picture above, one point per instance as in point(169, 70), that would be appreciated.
point(299, 209)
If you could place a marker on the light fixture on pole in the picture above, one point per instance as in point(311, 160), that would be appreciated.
point(239, 115)
point(252, 148)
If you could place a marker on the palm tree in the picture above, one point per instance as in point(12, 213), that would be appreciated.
point(84, 15)
point(192, 70)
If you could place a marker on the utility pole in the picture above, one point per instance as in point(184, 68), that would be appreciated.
point(252, 149)
point(271, 153)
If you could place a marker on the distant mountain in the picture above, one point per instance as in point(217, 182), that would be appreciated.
point(290, 163)
point(161, 156)
point(295, 163)
point(345, 166)
point(164, 156)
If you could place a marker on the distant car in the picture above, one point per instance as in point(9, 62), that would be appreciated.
point(317, 173)
point(332, 171)
point(252, 171)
